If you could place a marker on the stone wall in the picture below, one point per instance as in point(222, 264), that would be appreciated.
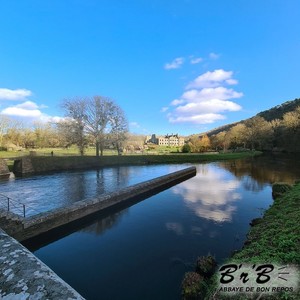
point(44, 222)
point(10, 221)
point(4, 171)
point(24, 276)
point(42, 164)
point(23, 166)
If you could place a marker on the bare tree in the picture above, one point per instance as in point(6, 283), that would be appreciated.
point(98, 114)
point(97, 117)
point(119, 128)
point(74, 126)
point(14, 133)
point(4, 126)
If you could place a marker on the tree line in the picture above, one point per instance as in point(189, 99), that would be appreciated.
point(99, 122)
point(255, 133)
point(90, 121)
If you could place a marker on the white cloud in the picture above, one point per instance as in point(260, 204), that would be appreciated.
point(52, 119)
point(196, 119)
point(209, 106)
point(210, 93)
point(231, 81)
point(196, 60)
point(175, 64)
point(206, 99)
point(18, 94)
point(214, 56)
point(164, 109)
point(177, 101)
point(212, 79)
point(21, 112)
point(29, 111)
point(134, 124)
point(28, 105)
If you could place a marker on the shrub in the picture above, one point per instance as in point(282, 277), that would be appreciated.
point(186, 148)
point(191, 286)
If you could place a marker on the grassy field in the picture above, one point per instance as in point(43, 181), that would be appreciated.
point(72, 151)
point(159, 155)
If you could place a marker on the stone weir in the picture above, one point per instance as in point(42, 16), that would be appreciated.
point(4, 171)
point(41, 223)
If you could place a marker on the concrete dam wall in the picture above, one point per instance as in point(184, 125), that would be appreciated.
point(25, 228)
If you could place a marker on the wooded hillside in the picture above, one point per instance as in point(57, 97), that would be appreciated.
point(276, 129)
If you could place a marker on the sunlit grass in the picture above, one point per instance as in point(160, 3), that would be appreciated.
point(275, 240)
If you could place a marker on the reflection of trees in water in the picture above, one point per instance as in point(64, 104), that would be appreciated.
point(266, 169)
point(78, 186)
point(74, 187)
point(105, 223)
point(111, 179)
point(211, 194)
point(251, 184)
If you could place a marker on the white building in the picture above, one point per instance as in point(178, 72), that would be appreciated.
point(172, 140)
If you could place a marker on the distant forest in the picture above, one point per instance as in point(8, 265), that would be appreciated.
point(276, 129)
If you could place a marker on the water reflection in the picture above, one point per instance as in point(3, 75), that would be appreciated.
point(258, 171)
point(211, 194)
point(175, 227)
point(42, 193)
point(102, 224)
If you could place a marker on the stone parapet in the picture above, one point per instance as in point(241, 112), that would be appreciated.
point(24, 276)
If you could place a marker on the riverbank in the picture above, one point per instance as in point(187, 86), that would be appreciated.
point(273, 239)
point(40, 164)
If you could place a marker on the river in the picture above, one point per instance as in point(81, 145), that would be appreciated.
point(143, 251)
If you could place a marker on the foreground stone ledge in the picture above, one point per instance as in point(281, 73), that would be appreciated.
point(24, 276)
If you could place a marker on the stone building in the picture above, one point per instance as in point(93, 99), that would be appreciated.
point(171, 140)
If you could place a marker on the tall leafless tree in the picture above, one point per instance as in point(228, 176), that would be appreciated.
point(74, 125)
point(100, 118)
point(99, 111)
point(119, 128)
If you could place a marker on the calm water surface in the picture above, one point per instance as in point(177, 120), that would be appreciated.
point(142, 252)
point(41, 193)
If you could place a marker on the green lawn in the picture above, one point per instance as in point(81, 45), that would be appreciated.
point(68, 157)
point(275, 239)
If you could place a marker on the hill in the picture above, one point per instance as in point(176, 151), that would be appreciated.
point(273, 113)
point(278, 111)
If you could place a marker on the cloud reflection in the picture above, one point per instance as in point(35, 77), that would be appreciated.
point(211, 194)
point(176, 227)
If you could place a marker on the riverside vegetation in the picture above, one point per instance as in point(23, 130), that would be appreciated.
point(48, 162)
point(275, 238)
point(277, 129)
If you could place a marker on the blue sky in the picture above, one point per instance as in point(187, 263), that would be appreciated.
point(174, 66)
